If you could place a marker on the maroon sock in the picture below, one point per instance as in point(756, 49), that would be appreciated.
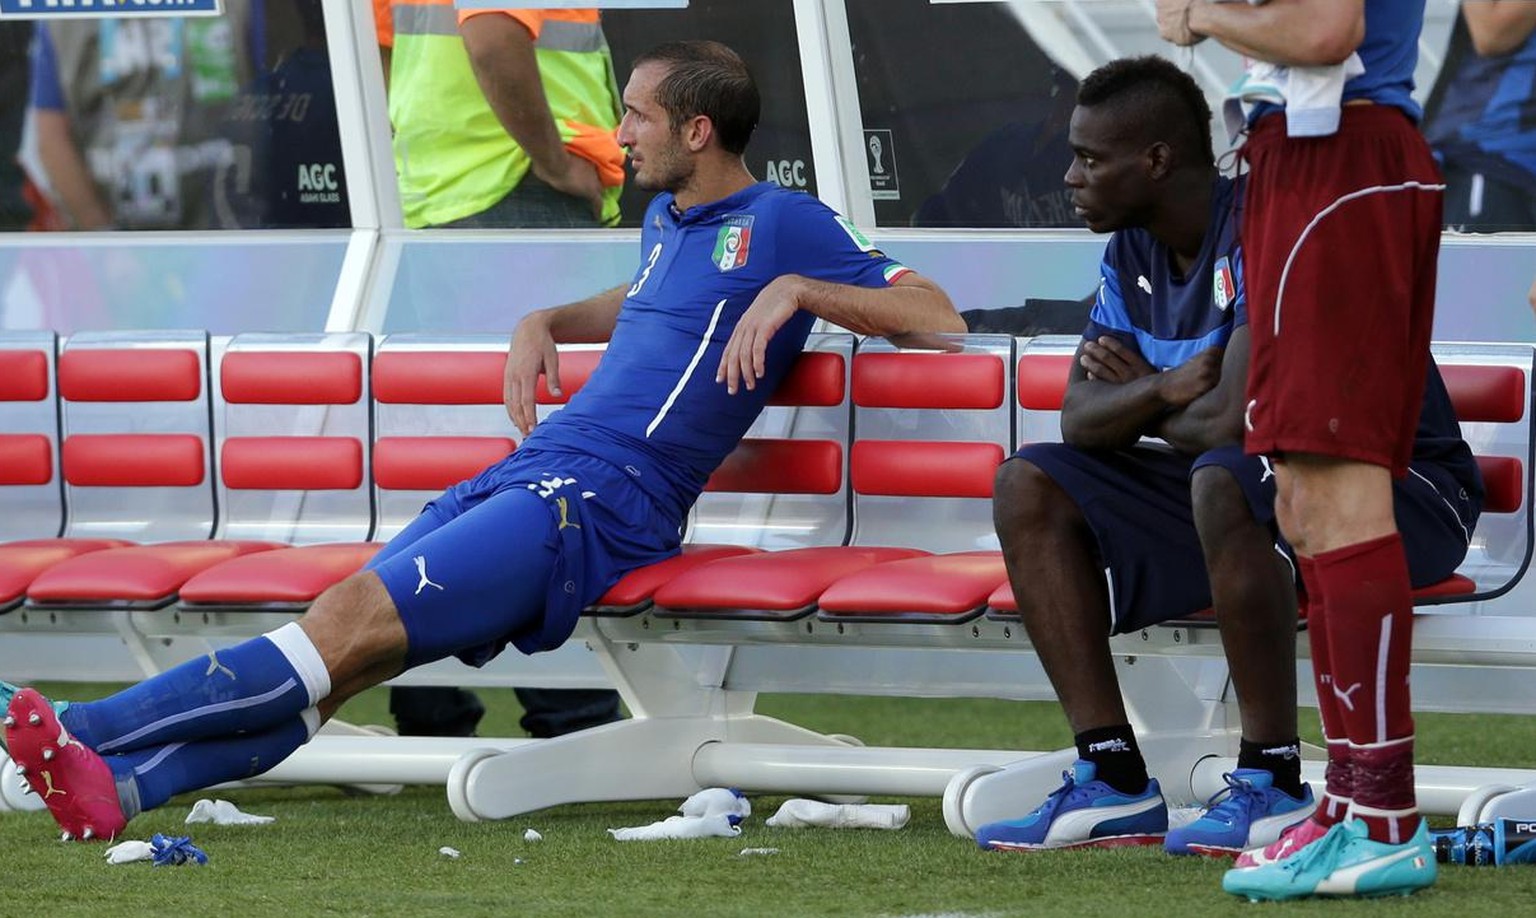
point(1369, 620)
point(1339, 790)
point(1384, 795)
point(1334, 805)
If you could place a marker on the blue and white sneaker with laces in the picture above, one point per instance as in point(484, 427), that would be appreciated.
point(1083, 813)
point(1345, 862)
point(1250, 812)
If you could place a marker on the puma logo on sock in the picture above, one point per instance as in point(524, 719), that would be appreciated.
point(1344, 695)
point(215, 666)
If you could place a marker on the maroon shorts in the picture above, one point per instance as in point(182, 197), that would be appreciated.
point(1340, 240)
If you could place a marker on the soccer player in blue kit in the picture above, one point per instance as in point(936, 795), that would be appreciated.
point(1107, 533)
point(733, 275)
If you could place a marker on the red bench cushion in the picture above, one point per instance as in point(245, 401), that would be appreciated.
point(817, 380)
point(1002, 599)
point(776, 580)
point(1454, 585)
point(938, 585)
point(141, 573)
point(287, 576)
point(1482, 393)
point(21, 562)
point(1042, 380)
point(914, 468)
point(133, 460)
point(25, 459)
point(1503, 483)
point(291, 378)
point(292, 463)
point(434, 463)
point(438, 377)
point(770, 466)
point(23, 376)
point(927, 380)
point(130, 375)
point(467, 377)
point(640, 584)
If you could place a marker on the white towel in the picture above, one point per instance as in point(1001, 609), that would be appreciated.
point(1312, 96)
point(129, 851)
point(224, 813)
point(714, 801)
point(798, 814)
point(718, 825)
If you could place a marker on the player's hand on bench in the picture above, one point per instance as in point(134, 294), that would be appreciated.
point(531, 354)
point(745, 359)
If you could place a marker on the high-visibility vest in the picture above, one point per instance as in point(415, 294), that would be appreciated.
point(452, 154)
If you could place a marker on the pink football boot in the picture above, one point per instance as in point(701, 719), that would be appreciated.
point(72, 780)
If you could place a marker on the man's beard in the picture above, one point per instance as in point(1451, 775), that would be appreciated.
point(675, 174)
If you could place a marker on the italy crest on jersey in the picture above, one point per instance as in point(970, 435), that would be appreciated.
point(1223, 290)
point(733, 242)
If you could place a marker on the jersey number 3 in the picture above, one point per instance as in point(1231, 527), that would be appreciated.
point(646, 274)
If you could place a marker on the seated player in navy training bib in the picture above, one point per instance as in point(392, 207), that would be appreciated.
point(732, 275)
point(1188, 523)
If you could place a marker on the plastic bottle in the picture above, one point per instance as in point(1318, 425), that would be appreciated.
point(1487, 844)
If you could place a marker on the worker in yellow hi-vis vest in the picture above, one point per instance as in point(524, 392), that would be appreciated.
point(503, 118)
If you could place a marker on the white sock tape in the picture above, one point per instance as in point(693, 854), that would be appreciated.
point(300, 651)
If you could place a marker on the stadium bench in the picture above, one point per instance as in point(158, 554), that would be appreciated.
point(912, 630)
point(847, 546)
point(30, 490)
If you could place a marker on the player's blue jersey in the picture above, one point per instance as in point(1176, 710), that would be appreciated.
point(1169, 317)
point(1390, 53)
point(652, 406)
point(1487, 118)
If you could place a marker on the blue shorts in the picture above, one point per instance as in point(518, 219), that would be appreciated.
point(1137, 503)
point(514, 554)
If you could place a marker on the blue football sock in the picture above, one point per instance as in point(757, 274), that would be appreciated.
point(248, 688)
point(147, 778)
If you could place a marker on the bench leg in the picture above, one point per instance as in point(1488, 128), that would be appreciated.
point(643, 758)
point(1499, 801)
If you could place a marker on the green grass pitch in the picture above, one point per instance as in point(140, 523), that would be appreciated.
point(331, 853)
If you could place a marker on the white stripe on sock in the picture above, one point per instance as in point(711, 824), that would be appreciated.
point(1393, 818)
point(127, 739)
point(1384, 744)
point(1383, 651)
point(149, 765)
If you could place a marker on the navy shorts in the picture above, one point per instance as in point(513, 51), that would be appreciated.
point(1137, 504)
point(514, 554)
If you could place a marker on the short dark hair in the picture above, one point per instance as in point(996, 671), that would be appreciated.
point(1159, 101)
point(707, 78)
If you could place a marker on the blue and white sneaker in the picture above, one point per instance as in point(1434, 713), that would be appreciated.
point(1083, 813)
point(1249, 813)
point(1345, 862)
